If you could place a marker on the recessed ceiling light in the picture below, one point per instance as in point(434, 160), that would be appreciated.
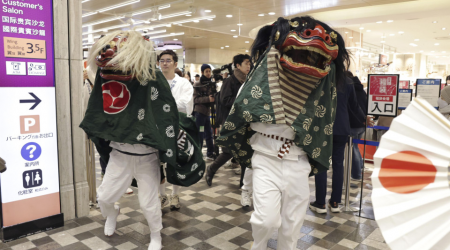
point(443, 52)
point(208, 11)
point(239, 24)
point(175, 39)
point(389, 21)
point(188, 15)
point(416, 40)
point(227, 46)
point(346, 32)
point(271, 13)
point(233, 30)
point(368, 30)
point(247, 42)
point(172, 33)
point(229, 15)
point(221, 47)
point(383, 37)
point(380, 22)
point(209, 19)
point(443, 28)
point(436, 44)
point(434, 21)
point(260, 14)
point(383, 41)
point(196, 21)
point(235, 36)
point(361, 28)
point(246, 50)
point(413, 44)
point(351, 37)
point(401, 32)
point(432, 51)
point(392, 34)
point(421, 51)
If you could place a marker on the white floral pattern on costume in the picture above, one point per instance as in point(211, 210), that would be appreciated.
point(247, 116)
point(229, 125)
point(320, 111)
point(316, 128)
point(155, 94)
point(169, 153)
point(181, 176)
point(256, 92)
point(307, 123)
point(266, 106)
point(316, 153)
point(307, 140)
point(266, 118)
point(141, 114)
point(166, 108)
point(200, 173)
point(194, 167)
point(139, 137)
point(170, 131)
point(245, 101)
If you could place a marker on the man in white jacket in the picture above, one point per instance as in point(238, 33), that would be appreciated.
point(182, 91)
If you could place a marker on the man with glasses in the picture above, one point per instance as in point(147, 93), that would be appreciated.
point(182, 91)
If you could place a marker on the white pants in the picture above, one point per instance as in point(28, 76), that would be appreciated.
point(247, 181)
point(281, 197)
point(119, 174)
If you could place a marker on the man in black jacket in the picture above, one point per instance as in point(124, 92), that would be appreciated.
point(228, 93)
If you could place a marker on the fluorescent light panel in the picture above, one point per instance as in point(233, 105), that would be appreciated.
point(175, 14)
point(103, 21)
point(194, 19)
point(89, 13)
point(107, 28)
point(154, 32)
point(159, 26)
point(150, 10)
point(115, 6)
point(168, 35)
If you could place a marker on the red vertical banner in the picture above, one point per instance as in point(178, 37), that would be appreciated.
point(383, 95)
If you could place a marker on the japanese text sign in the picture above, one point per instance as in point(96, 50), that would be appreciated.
point(383, 95)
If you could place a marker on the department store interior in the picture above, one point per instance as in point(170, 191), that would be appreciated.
point(255, 154)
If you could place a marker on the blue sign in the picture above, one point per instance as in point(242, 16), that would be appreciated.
point(31, 151)
point(405, 91)
point(428, 82)
point(404, 98)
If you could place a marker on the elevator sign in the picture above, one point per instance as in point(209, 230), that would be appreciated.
point(28, 133)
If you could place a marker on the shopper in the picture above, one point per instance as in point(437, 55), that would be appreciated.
point(227, 95)
point(187, 75)
point(346, 102)
point(197, 78)
point(203, 99)
point(444, 102)
point(357, 127)
point(182, 91)
point(178, 72)
point(2, 165)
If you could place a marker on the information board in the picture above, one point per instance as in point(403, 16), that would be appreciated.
point(28, 132)
point(404, 98)
point(382, 95)
point(430, 90)
point(404, 84)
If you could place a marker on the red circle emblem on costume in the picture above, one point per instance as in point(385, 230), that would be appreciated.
point(406, 172)
point(116, 97)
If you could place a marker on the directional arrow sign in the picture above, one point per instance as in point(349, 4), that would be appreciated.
point(36, 101)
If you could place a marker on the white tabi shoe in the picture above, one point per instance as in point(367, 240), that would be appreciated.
point(111, 221)
point(246, 198)
point(175, 201)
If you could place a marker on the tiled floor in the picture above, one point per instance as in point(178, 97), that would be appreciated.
point(210, 218)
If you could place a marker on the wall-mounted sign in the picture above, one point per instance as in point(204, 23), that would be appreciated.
point(382, 95)
point(404, 98)
point(30, 199)
point(430, 90)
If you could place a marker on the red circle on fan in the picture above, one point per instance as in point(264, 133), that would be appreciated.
point(116, 97)
point(406, 172)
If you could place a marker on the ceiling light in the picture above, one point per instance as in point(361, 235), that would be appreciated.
point(392, 34)
point(221, 47)
point(168, 35)
point(105, 20)
point(160, 25)
point(188, 15)
point(443, 52)
point(229, 15)
point(380, 22)
point(383, 41)
point(106, 28)
point(401, 32)
point(421, 51)
point(233, 30)
point(416, 40)
point(383, 37)
point(235, 36)
point(175, 14)
point(361, 28)
point(207, 11)
point(271, 13)
point(115, 6)
point(85, 1)
point(346, 32)
point(175, 39)
point(89, 13)
point(194, 19)
point(260, 14)
point(147, 10)
point(351, 37)
point(226, 46)
point(436, 44)
point(247, 42)
point(155, 32)
point(246, 50)
point(209, 19)
point(368, 30)
point(413, 44)
point(443, 28)
point(389, 21)
point(434, 21)
point(239, 24)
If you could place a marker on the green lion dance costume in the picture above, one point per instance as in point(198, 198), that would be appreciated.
point(133, 120)
point(281, 124)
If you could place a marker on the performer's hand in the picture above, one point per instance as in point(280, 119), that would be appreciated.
point(85, 75)
point(2, 165)
point(211, 98)
point(369, 121)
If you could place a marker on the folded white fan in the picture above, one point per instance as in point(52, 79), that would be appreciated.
point(411, 194)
